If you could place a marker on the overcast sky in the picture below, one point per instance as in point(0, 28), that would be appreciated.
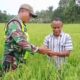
point(12, 6)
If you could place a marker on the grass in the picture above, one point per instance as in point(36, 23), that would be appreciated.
point(38, 66)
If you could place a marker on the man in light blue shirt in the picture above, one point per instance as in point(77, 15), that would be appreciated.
point(59, 42)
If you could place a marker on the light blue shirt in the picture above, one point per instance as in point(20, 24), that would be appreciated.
point(59, 44)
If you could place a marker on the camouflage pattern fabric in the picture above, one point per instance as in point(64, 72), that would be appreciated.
point(16, 43)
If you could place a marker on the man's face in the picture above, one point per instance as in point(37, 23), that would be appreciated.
point(57, 27)
point(25, 15)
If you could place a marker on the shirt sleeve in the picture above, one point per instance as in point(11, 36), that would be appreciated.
point(46, 42)
point(68, 43)
point(20, 38)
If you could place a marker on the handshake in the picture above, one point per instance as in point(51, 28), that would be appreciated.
point(45, 51)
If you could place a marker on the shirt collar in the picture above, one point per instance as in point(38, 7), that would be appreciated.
point(60, 34)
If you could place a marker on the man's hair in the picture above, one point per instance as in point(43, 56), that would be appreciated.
point(57, 19)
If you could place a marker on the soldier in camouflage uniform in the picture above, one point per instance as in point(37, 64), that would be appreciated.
point(16, 43)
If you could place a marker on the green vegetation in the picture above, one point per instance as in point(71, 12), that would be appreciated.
point(38, 66)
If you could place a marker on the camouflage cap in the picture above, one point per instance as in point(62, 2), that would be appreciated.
point(28, 7)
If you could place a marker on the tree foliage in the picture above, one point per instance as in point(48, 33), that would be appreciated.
point(4, 17)
point(68, 11)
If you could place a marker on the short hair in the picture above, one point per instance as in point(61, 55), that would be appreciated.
point(57, 19)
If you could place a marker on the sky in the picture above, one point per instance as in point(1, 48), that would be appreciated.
point(12, 6)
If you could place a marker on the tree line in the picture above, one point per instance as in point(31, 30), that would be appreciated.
point(68, 11)
point(4, 17)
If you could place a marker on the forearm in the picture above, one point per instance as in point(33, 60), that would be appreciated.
point(21, 40)
point(60, 54)
point(28, 47)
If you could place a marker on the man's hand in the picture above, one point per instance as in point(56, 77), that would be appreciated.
point(50, 54)
point(43, 50)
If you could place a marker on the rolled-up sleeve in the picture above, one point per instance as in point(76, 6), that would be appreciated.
point(20, 38)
